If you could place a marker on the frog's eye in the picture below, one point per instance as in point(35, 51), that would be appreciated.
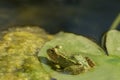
point(58, 47)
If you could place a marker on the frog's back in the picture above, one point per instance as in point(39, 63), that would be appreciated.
point(65, 61)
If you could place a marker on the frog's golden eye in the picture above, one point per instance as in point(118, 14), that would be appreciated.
point(58, 46)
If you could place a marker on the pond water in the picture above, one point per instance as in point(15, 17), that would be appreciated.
point(90, 18)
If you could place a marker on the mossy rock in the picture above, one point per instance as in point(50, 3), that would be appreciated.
point(18, 54)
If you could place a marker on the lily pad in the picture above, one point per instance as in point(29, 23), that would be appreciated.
point(107, 67)
point(112, 42)
point(75, 43)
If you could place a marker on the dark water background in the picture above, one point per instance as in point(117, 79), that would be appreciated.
point(90, 18)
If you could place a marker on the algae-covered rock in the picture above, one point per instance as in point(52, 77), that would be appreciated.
point(18, 54)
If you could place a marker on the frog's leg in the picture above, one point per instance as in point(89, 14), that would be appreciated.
point(90, 62)
point(55, 67)
point(75, 69)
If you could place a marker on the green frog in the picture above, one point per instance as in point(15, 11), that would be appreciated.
point(70, 64)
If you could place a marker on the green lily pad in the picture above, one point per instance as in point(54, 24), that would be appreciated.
point(112, 42)
point(107, 67)
point(75, 43)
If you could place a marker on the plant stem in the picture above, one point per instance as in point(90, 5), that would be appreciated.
point(115, 23)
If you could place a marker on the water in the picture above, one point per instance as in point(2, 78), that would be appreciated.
point(90, 18)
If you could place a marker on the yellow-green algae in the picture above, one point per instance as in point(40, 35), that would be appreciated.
point(18, 49)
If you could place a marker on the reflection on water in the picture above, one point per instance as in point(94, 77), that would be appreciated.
point(87, 17)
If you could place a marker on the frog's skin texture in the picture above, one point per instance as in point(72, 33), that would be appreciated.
point(73, 64)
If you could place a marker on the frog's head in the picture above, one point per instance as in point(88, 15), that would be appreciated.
point(53, 53)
